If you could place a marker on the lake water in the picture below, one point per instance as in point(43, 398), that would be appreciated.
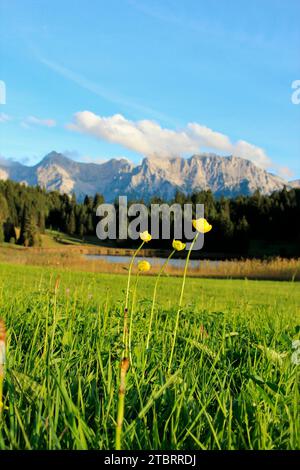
point(178, 263)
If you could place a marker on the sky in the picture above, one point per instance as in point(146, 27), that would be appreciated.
point(131, 78)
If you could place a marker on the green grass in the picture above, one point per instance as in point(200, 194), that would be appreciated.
point(53, 238)
point(227, 388)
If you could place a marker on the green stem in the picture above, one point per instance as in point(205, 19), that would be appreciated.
point(131, 317)
point(121, 402)
point(2, 362)
point(1, 389)
point(125, 330)
point(154, 297)
point(129, 273)
point(125, 363)
point(180, 300)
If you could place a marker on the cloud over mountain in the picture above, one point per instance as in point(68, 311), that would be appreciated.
point(150, 139)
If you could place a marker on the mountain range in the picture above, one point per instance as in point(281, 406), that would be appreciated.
point(162, 177)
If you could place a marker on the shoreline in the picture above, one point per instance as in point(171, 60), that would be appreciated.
point(75, 258)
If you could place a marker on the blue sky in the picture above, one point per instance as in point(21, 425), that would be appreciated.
point(97, 79)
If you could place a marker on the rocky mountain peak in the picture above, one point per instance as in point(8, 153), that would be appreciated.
point(154, 176)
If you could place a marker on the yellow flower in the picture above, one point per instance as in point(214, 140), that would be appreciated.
point(178, 245)
point(144, 266)
point(145, 236)
point(202, 225)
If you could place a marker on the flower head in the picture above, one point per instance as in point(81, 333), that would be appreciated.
point(145, 236)
point(178, 245)
point(144, 266)
point(202, 225)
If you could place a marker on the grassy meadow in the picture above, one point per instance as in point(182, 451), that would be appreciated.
point(232, 383)
point(70, 254)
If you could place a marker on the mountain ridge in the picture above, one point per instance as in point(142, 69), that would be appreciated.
point(162, 177)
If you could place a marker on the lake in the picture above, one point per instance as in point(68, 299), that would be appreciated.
point(177, 263)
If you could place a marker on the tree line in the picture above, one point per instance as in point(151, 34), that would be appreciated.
point(239, 224)
point(26, 211)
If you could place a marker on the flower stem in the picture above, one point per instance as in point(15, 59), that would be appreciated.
point(180, 301)
point(1, 389)
point(125, 329)
point(131, 316)
point(121, 402)
point(154, 297)
point(125, 362)
point(129, 272)
point(2, 361)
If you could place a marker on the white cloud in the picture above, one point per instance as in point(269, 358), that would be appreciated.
point(209, 138)
point(32, 120)
point(251, 152)
point(144, 137)
point(4, 117)
point(150, 139)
